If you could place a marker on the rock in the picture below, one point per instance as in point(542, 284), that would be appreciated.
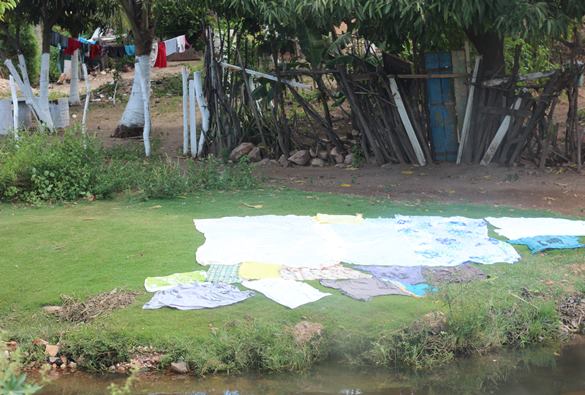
point(11, 346)
point(337, 155)
point(283, 161)
point(180, 367)
point(313, 153)
point(433, 323)
point(53, 360)
point(386, 166)
point(317, 162)
point(72, 365)
point(241, 150)
point(300, 158)
point(55, 310)
point(255, 155)
point(273, 162)
point(323, 154)
point(264, 162)
point(52, 350)
point(340, 166)
point(348, 159)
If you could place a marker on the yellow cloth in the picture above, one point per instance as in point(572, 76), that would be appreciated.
point(259, 270)
point(339, 219)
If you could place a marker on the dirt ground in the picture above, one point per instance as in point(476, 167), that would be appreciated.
point(559, 189)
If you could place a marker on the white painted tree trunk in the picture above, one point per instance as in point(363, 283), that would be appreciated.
point(44, 90)
point(192, 119)
point(185, 80)
point(87, 97)
point(74, 99)
point(144, 63)
point(202, 109)
point(14, 106)
point(133, 116)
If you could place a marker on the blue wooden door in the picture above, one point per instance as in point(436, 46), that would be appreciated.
point(441, 106)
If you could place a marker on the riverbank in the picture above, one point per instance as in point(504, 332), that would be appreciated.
point(88, 248)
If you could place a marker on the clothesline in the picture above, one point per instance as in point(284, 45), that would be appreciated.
point(160, 51)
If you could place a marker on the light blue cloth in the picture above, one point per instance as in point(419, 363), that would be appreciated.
point(85, 41)
point(419, 289)
point(197, 296)
point(542, 243)
point(402, 274)
point(130, 50)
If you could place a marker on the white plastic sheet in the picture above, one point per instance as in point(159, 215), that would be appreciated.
point(298, 241)
point(517, 228)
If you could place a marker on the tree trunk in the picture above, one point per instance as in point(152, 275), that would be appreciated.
point(74, 99)
point(491, 46)
point(44, 74)
point(136, 118)
point(132, 122)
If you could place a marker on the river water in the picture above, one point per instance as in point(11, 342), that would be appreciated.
point(534, 372)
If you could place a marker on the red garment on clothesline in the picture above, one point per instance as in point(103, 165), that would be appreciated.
point(95, 51)
point(161, 57)
point(72, 45)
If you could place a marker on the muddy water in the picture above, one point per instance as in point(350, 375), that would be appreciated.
point(533, 372)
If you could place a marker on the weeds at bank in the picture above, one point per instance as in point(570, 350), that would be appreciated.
point(475, 321)
point(48, 168)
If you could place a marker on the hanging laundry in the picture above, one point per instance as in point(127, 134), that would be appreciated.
point(335, 272)
point(153, 53)
point(366, 288)
point(171, 46)
point(72, 45)
point(85, 41)
point(518, 228)
point(161, 56)
point(154, 284)
point(402, 274)
point(291, 294)
point(95, 52)
point(223, 274)
point(55, 40)
point(542, 243)
point(181, 43)
point(258, 270)
point(454, 274)
point(197, 296)
point(130, 50)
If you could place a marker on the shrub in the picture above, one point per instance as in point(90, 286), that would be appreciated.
point(28, 47)
point(41, 167)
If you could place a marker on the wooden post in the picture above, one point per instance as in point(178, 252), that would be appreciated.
point(30, 100)
point(87, 98)
point(192, 119)
point(14, 106)
point(200, 97)
point(185, 80)
point(500, 134)
point(420, 156)
point(468, 111)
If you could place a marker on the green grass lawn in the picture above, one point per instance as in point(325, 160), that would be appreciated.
point(86, 248)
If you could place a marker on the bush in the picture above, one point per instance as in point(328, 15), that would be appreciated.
point(48, 168)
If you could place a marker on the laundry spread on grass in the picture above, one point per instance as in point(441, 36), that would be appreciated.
point(335, 272)
point(153, 284)
point(258, 270)
point(542, 243)
point(398, 241)
point(366, 288)
point(197, 296)
point(518, 228)
point(289, 293)
point(223, 274)
point(402, 255)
